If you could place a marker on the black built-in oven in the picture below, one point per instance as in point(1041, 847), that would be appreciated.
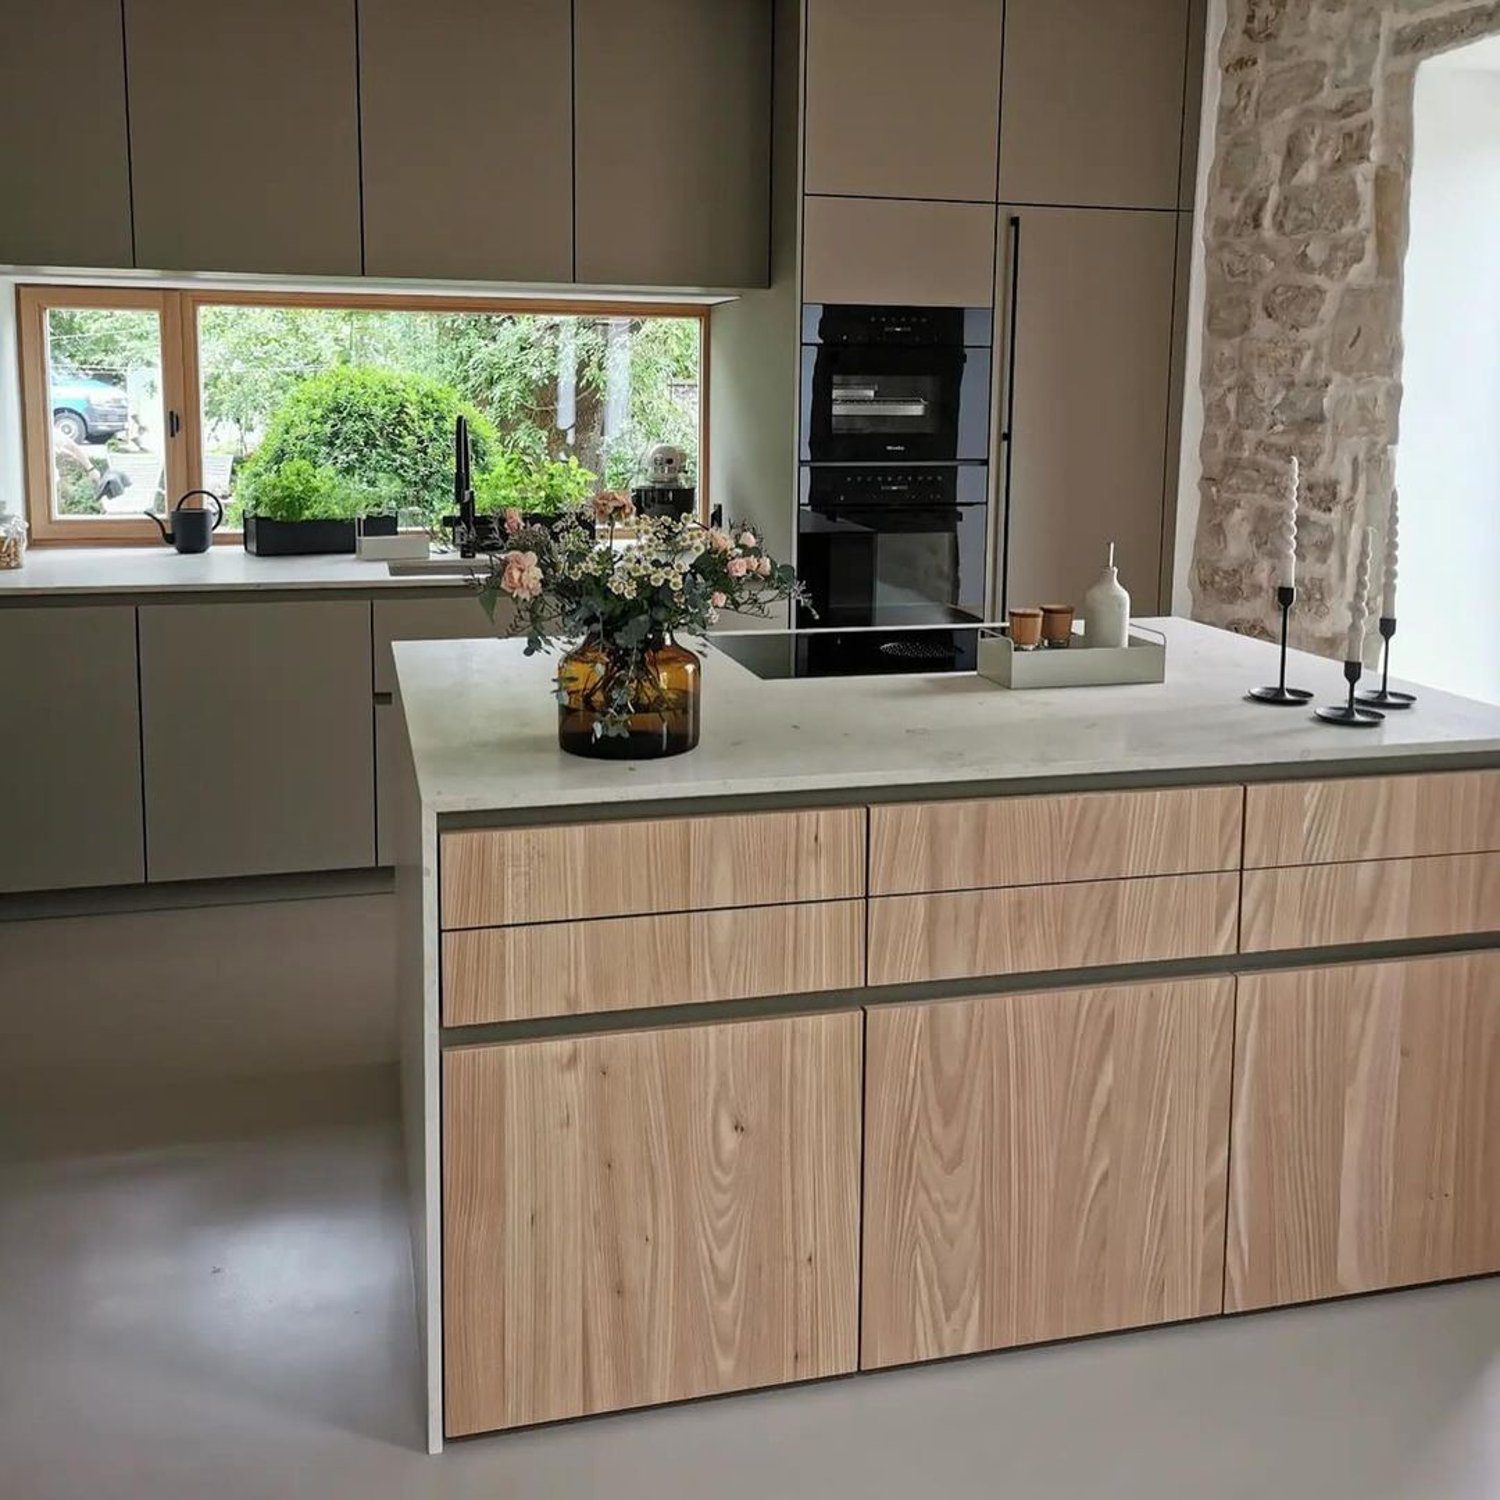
point(895, 384)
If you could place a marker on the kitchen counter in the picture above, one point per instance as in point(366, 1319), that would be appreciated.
point(133, 571)
point(482, 726)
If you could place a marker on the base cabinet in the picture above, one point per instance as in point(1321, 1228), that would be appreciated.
point(643, 1217)
point(1043, 1166)
point(1366, 1129)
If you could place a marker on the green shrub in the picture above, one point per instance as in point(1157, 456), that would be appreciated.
point(542, 486)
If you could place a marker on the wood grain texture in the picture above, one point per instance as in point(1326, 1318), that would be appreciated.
point(1043, 1166)
point(494, 876)
point(1366, 1142)
point(1319, 906)
point(572, 968)
point(1026, 930)
point(951, 846)
point(1372, 817)
point(648, 1216)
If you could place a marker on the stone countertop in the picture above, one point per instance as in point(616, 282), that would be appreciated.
point(72, 571)
point(483, 730)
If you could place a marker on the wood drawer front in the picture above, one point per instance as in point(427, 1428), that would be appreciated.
point(647, 1216)
point(621, 963)
point(1320, 906)
point(1043, 1166)
point(495, 876)
point(1366, 1142)
point(1030, 930)
point(954, 846)
point(1372, 817)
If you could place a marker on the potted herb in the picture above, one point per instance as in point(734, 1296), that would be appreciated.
point(297, 508)
point(629, 689)
point(537, 489)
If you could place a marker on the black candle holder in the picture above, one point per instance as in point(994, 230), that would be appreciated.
point(1350, 714)
point(1281, 695)
point(1385, 696)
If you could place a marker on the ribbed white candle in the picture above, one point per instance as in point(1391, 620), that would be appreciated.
point(1286, 531)
point(1388, 604)
point(1359, 601)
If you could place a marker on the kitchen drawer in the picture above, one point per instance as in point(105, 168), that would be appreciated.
point(1031, 930)
point(495, 876)
point(1372, 817)
point(1319, 906)
point(571, 968)
point(952, 846)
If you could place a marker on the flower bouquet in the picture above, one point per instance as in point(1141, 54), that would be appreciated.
point(623, 587)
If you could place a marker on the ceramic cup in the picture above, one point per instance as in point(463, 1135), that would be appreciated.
point(1026, 629)
point(1057, 624)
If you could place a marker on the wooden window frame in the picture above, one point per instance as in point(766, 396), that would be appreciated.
point(181, 383)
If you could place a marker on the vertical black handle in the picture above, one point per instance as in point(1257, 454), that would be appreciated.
point(174, 424)
point(1007, 434)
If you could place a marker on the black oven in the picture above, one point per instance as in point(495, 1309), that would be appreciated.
point(895, 384)
point(893, 546)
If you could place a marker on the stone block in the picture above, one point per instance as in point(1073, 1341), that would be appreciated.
point(1433, 34)
point(1292, 304)
point(1329, 205)
point(1365, 333)
point(1289, 87)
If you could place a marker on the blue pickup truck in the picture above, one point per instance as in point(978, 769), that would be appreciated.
point(86, 409)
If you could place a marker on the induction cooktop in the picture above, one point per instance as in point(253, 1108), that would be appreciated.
point(860, 651)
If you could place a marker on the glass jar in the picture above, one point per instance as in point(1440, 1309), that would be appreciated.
point(664, 696)
point(12, 541)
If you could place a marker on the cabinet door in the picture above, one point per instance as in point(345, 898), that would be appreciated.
point(70, 735)
point(903, 101)
point(64, 167)
point(1043, 1166)
point(672, 119)
point(258, 738)
point(444, 85)
point(1092, 109)
point(648, 1216)
point(244, 135)
point(1366, 1129)
point(1086, 399)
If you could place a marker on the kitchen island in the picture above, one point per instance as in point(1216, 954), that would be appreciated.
point(909, 1017)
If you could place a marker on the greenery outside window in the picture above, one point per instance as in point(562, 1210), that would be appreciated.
point(324, 405)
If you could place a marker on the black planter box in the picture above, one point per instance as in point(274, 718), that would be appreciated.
point(267, 538)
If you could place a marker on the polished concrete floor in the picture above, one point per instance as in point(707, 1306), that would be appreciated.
point(231, 1318)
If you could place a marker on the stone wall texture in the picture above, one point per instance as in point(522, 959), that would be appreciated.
point(1305, 233)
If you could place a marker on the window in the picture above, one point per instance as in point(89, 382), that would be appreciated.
point(132, 398)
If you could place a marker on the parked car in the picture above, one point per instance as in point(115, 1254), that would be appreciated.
point(86, 409)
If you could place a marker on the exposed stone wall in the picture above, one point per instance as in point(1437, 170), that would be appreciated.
point(1305, 234)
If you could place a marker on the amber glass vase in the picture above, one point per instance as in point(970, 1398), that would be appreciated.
point(663, 694)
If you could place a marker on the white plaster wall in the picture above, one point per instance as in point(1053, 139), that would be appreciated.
point(1448, 461)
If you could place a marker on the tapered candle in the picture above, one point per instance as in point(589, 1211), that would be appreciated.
point(1286, 531)
point(1388, 604)
point(1359, 602)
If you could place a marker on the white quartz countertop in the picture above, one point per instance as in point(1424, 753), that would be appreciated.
point(483, 729)
point(65, 571)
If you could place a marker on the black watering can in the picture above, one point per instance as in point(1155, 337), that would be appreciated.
point(192, 530)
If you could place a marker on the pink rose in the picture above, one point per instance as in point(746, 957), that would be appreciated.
point(763, 567)
point(747, 538)
point(719, 541)
point(738, 566)
point(718, 599)
point(513, 521)
point(609, 504)
point(521, 578)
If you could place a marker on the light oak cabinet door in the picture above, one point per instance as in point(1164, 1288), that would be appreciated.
point(70, 733)
point(1043, 1166)
point(259, 738)
point(466, 118)
point(1366, 1129)
point(672, 122)
point(648, 1216)
point(244, 135)
point(903, 101)
point(64, 159)
point(1086, 398)
point(1092, 109)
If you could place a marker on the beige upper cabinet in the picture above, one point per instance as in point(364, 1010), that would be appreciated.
point(1091, 112)
point(467, 138)
point(244, 135)
point(672, 111)
point(64, 173)
point(1087, 398)
point(903, 100)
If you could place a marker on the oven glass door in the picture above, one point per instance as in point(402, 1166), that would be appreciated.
point(888, 403)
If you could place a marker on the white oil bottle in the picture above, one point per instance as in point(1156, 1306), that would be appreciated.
point(1106, 609)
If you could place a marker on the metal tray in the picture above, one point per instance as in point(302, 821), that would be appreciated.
point(1144, 659)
